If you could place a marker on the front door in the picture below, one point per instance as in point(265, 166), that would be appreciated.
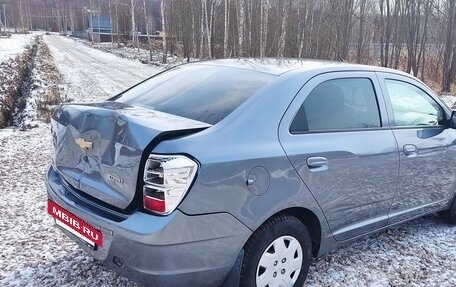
point(427, 150)
point(337, 138)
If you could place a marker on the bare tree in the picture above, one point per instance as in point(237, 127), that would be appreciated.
point(29, 16)
point(422, 52)
point(448, 56)
point(202, 30)
point(283, 31)
point(194, 31)
point(346, 28)
point(146, 21)
point(264, 26)
point(21, 15)
point(412, 35)
point(303, 19)
point(241, 26)
point(413, 20)
point(362, 15)
point(116, 4)
point(165, 47)
point(110, 23)
point(227, 29)
point(133, 23)
point(208, 23)
point(59, 22)
point(98, 19)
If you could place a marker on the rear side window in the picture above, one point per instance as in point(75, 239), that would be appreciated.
point(339, 104)
point(412, 106)
point(200, 92)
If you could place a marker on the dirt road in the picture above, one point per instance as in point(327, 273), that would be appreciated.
point(92, 75)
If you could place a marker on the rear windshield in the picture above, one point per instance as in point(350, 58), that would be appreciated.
point(200, 92)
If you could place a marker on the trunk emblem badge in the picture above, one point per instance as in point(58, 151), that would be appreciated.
point(83, 144)
point(115, 179)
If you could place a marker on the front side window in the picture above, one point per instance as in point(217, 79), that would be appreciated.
point(412, 106)
point(339, 104)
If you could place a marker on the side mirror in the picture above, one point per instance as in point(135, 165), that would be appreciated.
point(453, 120)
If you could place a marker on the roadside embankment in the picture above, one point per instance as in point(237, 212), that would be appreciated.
point(31, 87)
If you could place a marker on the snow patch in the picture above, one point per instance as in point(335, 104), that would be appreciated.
point(15, 45)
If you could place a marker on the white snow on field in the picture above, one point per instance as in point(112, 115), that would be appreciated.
point(10, 47)
point(34, 252)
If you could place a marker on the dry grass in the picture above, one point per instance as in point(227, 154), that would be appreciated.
point(12, 74)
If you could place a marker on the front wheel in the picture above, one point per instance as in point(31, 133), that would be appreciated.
point(278, 254)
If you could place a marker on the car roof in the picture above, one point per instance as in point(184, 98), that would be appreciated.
point(279, 66)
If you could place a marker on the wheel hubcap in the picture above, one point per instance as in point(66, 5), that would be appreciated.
point(280, 263)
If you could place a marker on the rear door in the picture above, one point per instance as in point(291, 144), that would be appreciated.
point(336, 137)
point(426, 147)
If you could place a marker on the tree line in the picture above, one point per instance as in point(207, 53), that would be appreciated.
point(417, 36)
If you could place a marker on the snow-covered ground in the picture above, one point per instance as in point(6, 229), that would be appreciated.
point(10, 47)
point(33, 252)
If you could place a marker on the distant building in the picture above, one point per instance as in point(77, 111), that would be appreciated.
point(99, 28)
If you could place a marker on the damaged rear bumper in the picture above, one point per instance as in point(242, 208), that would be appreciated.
point(174, 250)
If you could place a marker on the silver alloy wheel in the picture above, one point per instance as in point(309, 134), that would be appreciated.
point(280, 263)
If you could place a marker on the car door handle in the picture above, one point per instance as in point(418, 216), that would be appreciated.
point(410, 150)
point(317, 163)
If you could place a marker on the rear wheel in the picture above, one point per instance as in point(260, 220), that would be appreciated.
point(277, 254)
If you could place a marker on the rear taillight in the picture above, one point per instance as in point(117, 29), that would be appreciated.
point(167, 178)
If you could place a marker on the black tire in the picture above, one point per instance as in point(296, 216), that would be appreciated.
point(264, 236)
point(450, 214)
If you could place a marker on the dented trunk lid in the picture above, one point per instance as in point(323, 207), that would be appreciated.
point(98, 147)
